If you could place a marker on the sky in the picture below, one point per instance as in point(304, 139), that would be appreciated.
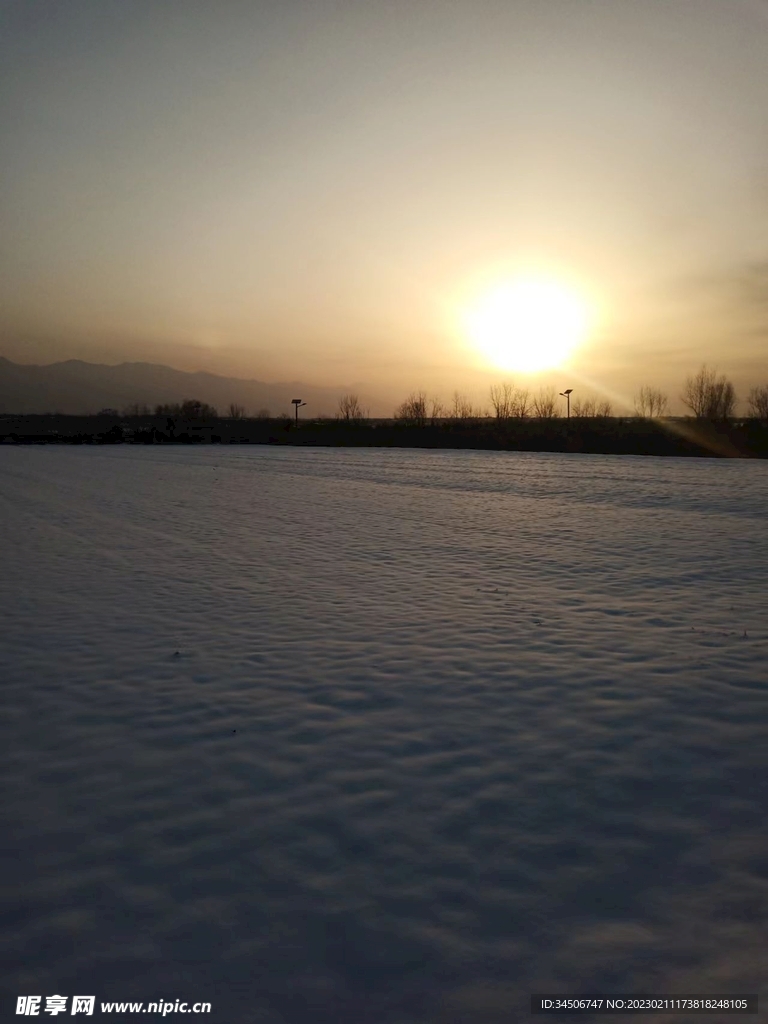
point(328, 191)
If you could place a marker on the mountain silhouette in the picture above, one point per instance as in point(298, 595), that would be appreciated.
point(75, 387)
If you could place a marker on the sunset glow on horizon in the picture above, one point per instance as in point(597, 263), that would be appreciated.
point(299, 191)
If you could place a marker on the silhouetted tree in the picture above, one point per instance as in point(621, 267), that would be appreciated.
point(350, 409)
point(758, 402)
point(545, 404)
point(236, 412)
point(708, 396)
point(413, 411)
point(604, 409)
point(508, 401)
point(194, 409)
point(190, 409)
point(521, 401)
point(590, 408)
point(582, 408)
point(462, 408)
point(502, 398)
point(136, 409)
point(650, 403)
point(263, 414)
point(436, 410)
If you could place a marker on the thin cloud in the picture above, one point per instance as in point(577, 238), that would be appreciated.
point(741, 287)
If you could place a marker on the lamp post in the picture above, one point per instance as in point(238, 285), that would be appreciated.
point(567, 396)
point(297, 402)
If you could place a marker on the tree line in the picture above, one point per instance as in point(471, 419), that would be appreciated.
point(192, 409)
point(706, 394)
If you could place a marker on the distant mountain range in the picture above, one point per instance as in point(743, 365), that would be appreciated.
point(78, 388)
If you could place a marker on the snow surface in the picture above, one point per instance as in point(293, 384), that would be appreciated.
point(500, 728)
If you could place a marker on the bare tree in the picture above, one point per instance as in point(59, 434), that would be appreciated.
point(590, 409)
point(650, 403)
point(236, 412)
point(194, 409)
point(508, 401)
point(462, 407)
point(137, 409)
point(545, 404)
point(603, 409)
point(350, 409)
point(502, 398)
point(263, 414)
point(708, 396)
point(521, 403)
point(413, 411)
point(190, 409)
point(696, 393)
point(758, 402)
point(436, 410)
point(583, 408)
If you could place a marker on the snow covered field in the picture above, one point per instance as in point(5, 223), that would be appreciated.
point(381, 737)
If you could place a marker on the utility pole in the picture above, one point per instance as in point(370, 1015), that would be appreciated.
point(297, 402)
point(567, 396)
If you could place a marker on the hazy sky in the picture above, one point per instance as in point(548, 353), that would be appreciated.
point(314, 190)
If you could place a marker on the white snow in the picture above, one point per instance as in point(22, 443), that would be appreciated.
point(500, 728)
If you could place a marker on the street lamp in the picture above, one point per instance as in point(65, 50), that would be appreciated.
point(297, 402)
point(567, 396)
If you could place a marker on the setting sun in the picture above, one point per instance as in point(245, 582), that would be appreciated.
point(527, 324)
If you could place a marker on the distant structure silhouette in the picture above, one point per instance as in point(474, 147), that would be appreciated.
point(297, 402)
point(567, 396)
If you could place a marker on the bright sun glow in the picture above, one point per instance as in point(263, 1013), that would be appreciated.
point(527, 324)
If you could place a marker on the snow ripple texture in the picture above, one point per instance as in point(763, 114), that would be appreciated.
point(381, 736)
